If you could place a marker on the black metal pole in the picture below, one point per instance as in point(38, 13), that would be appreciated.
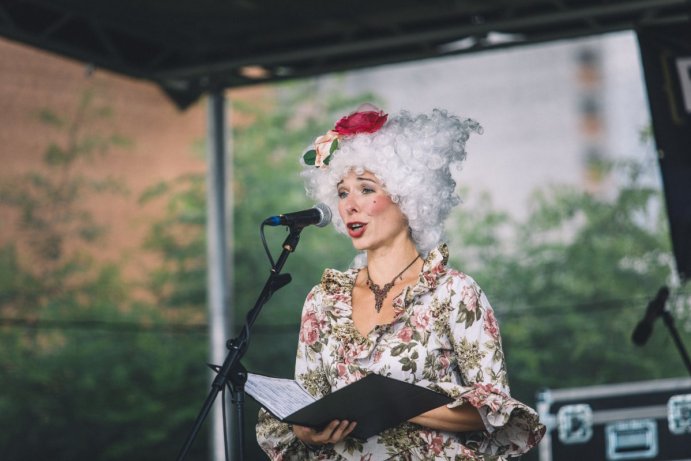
point(669, 321)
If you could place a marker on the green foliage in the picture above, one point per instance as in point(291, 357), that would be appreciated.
point(573, 281)
point(179, 282)
point(85, 372)
point(49, 202)
point(79, 389)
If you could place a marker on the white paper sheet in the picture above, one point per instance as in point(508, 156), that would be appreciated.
point(282, 397)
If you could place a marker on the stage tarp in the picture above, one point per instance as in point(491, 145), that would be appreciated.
point(666, 56)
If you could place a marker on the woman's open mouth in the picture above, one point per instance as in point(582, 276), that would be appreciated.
point(356, 229)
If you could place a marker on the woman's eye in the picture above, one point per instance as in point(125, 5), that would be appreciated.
point(367, 190)
point(342, 194)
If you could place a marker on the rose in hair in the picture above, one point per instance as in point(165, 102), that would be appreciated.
point(367, 119)
point(361, 122)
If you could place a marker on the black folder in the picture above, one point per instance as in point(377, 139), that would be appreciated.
point(375, 402)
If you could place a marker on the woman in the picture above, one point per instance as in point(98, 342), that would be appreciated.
point(400, 311)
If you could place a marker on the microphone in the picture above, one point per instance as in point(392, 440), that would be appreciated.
point(655, 308)
point(320, 216)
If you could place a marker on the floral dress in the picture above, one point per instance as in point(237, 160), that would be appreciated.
point(444, 336)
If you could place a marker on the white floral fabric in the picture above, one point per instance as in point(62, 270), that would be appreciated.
point(444, 336)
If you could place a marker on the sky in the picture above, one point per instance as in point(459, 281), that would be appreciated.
point(528, 100)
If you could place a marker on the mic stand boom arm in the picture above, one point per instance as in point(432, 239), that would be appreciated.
point(232, 371)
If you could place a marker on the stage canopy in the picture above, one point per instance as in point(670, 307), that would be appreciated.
point(191, 46)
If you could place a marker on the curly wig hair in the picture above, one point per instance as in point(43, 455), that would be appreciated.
point(414, 157)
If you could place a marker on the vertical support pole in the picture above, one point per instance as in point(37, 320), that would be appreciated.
point(219, 226)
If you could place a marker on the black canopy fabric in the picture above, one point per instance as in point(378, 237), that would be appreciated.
point(666, 53)
point(191, 46)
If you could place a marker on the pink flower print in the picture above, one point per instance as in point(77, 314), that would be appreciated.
point(357, 375)
point(341, 369)
point(309, 331)
point(430, 278)
point(465, 451)
point(406, 334)
point(421, 318)
point(491, 325)
point(443, 364)
point(349, 352)
point(438, 269)
point(469, 298)
point(347, 373)
point(485, 394)
point(341, 297)
point(434, 442)
point(494, 402)
point(437, 445)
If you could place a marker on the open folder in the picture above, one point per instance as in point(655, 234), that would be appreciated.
point(375, 402)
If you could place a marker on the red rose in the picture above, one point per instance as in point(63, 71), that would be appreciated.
point(361, 122)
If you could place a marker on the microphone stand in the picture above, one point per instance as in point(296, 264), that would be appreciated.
point(669, 321)
point(232, 371)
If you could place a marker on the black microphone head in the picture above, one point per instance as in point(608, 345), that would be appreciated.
point(325, 212)
point(641, 333)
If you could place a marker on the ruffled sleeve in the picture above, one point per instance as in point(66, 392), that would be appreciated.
point(274, 437)
point(512, 428)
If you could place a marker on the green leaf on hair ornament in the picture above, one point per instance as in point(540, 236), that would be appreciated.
point(332, 149)
point(310, 157)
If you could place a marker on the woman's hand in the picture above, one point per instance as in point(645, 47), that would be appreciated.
point(334, 432)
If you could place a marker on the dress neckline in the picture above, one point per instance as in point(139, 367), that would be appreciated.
point(339, 286)
point(398, 306)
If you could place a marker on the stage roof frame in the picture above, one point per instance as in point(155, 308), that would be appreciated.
point(190, 47)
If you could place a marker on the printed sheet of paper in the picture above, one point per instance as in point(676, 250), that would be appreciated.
point(282, 397)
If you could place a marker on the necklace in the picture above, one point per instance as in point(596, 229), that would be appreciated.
point(381, 292)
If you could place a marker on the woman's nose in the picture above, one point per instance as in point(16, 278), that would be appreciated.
point(351, 205)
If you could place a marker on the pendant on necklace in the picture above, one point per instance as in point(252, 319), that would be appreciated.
point(381, 292)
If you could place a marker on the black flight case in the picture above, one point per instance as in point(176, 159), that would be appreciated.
point(647, 420)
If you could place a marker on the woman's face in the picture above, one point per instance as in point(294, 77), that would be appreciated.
point(371, 218)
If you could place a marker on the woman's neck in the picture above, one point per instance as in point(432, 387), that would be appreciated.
point(384, 263)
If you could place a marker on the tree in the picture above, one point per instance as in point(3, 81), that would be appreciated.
point(572, 282)
point(55, 227)
point(85, 371)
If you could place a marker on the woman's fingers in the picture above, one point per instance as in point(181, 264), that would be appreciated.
point(340, 431)
point(334, 432)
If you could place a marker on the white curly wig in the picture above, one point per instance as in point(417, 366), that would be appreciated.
point(413, 157)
